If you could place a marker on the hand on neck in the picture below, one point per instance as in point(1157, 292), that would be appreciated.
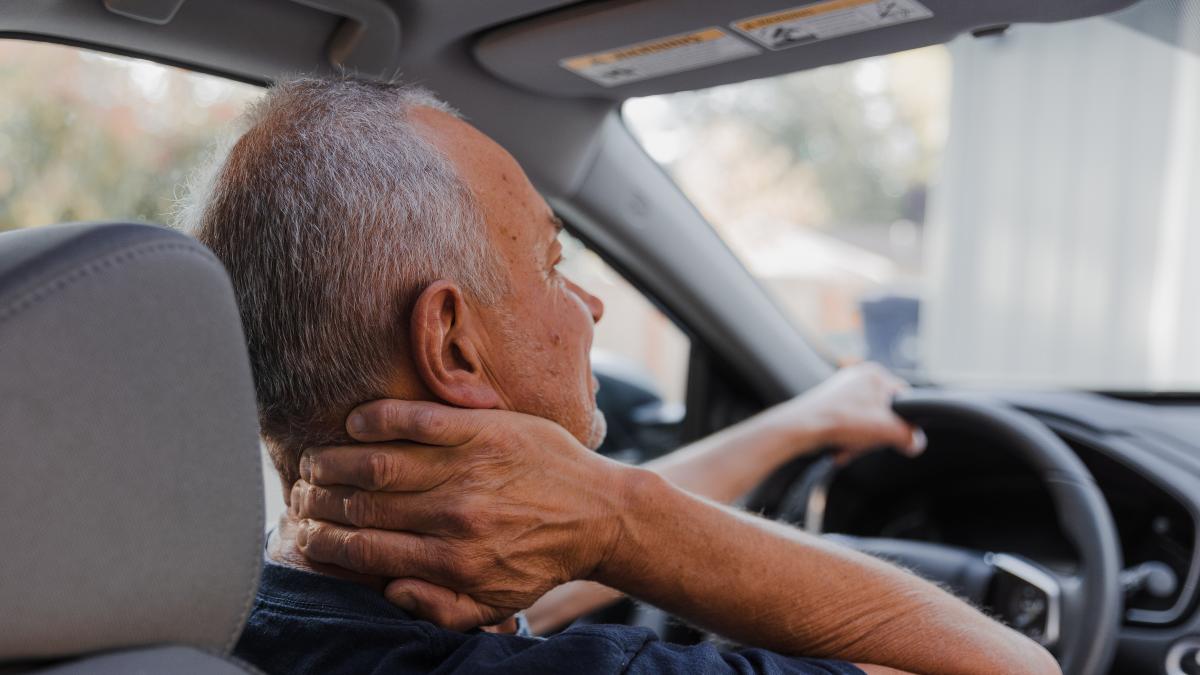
point(282, 549)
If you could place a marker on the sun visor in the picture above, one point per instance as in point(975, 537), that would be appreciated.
point(621, 49)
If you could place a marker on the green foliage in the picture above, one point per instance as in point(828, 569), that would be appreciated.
point(85, 137)
point(850, 144)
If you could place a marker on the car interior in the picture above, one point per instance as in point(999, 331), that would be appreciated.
point(1069, 510)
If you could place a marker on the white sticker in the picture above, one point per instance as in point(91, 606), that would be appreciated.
point(655, 58)
point(824, 20)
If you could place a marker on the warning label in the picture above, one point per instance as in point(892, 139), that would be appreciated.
point(655, 58)
point(825, 20)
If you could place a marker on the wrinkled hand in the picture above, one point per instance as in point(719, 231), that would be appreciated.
point(852, 412)
point(499, 506)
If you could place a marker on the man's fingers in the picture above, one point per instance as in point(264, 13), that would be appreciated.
point(442, 606)
point(908, 440)
point(388, 468)
point(377, 552)
point(362, 508)
point(417, 421)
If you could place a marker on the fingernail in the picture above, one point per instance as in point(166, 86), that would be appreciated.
point(405, 602)
point(357, 423)
point(306, 467)
point(302, 533)
point(919, 443)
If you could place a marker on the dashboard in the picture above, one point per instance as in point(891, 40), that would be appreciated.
point(966, 491)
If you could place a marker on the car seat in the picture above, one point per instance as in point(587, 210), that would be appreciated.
point(131, 536)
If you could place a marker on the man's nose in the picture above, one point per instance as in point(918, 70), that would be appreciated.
point(594, 304)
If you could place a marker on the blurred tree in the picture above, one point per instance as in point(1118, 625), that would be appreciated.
point(88, 136)
point(849, 149)
point(850, 144)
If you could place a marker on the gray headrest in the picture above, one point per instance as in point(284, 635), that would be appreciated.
point(132, 499)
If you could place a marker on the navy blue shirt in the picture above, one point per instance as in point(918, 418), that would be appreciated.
point(309, 623)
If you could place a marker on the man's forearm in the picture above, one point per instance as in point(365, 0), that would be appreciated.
point(851, 411)
point(728, 464)
point(771, 586)
point(721, 467)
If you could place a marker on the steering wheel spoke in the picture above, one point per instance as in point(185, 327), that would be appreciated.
point(1029, 597)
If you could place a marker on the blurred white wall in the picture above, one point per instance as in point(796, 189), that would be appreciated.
point(1063, 238)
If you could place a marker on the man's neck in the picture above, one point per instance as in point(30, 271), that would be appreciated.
point(282, 549)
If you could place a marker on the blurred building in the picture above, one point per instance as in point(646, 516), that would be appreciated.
point(1062, 229)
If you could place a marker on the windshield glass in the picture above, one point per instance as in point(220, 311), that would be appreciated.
point(1016, 208)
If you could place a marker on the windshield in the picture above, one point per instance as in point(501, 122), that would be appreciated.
point(1016, 208)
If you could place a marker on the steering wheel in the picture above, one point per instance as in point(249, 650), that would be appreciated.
point(1076, 616)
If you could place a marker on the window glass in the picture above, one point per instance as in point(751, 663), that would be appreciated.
point(639, 357)
point(634, 339)
point(817, 180)
point(86, 136)
point(1011, 209)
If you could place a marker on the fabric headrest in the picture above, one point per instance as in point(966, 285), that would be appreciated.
point(133, 507)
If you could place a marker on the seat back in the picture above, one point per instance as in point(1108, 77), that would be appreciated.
point(132, 501)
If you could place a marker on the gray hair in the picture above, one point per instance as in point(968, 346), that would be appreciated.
point(331, 213)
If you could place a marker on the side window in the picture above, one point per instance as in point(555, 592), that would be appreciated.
point(639, 356)
point(89, 136)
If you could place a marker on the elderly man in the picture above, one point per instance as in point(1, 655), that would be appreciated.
point(381, 248)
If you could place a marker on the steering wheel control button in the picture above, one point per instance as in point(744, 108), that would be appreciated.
point(1184, 657)
point(1025, 597)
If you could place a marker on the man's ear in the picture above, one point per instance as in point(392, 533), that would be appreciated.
point(445, 348)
